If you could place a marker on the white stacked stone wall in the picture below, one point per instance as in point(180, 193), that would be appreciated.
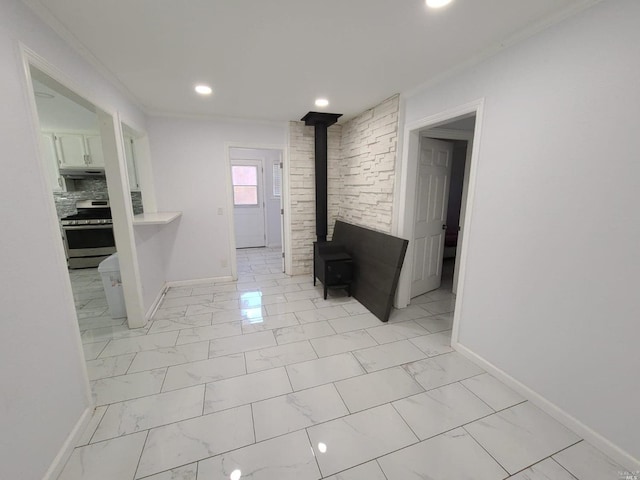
point(302, 201)
point(361, 162)
point(367, 166)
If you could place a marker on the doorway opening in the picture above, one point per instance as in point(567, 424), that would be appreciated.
point(444, 158)
point(80, 149)
point(257, 213)
point(462, 123)
point(441, 191)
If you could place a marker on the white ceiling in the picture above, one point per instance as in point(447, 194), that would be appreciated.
point(271, 59)
point(59, 113)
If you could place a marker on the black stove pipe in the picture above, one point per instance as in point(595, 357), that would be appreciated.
point(321, 122)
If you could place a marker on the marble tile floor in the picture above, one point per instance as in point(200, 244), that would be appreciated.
point(262, 379)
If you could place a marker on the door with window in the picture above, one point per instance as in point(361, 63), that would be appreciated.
point(248, 203)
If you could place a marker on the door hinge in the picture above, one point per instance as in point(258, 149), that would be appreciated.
point(282, 211)
point(281, 165)
point(282, 254)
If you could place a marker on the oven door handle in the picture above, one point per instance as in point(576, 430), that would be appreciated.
point(86, 227)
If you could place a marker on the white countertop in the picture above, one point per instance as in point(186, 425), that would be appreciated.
point(157, 218)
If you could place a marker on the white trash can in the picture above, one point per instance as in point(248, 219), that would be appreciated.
point(109, 270)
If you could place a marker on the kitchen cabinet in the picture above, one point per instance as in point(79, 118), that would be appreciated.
point(93, 146)
point(132, 167)
point(76, 150)
point(70, 149)
point(56, 182)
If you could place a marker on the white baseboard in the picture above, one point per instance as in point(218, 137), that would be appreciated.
point(198, 281)
point(601, 443)
point(156, 303)
point(69, 444)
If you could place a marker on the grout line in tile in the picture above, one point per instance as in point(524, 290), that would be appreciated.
point(403, 419)
point(164, 378)
point(253, 424)
point(473, 393)
point(562, 466)
point(315, 457)
point(172, 468)
point(144, 445)
point(98, 425)
point(548, 457)
point(482, 446)
point(380, 467)
point(341, 397)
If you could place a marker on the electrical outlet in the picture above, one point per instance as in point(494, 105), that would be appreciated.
point(223, 263)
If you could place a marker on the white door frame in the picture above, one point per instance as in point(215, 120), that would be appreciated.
point(230, 220)
point(405, 198)
point(116, 173)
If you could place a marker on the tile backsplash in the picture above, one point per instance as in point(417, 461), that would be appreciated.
point(90, 188)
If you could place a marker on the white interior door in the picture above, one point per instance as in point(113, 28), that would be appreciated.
point(248, 203)
point(432, 196)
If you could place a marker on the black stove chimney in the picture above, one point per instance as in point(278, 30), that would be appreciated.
point(321, 122)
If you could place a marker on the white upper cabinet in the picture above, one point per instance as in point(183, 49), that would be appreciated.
point(51, 162)
point(77, 150)
point(71, 150)
point(94, 150)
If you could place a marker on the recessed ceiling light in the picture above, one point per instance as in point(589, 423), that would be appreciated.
point(322, 102)
point(203, 89)
point(438, 3)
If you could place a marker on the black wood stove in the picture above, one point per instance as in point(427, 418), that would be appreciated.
point(333, 266)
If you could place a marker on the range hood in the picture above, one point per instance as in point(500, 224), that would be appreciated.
point(81, 172)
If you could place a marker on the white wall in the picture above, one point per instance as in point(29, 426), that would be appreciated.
point(553, 271)
point(190, 176)
point(150, 246)
point(43, 388)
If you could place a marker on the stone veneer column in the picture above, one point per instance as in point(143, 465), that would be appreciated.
point(367, 166)
point(361, 174)
point(302, 191)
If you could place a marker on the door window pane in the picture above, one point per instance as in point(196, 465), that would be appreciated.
point(245, 184)
point(245, 195)
point(244, 175)
point(277, 180)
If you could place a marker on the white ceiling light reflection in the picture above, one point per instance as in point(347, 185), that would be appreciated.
point(251, 306)
point(438, 3)
point(322, 447)
point(235, 475)
point(203, 89)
